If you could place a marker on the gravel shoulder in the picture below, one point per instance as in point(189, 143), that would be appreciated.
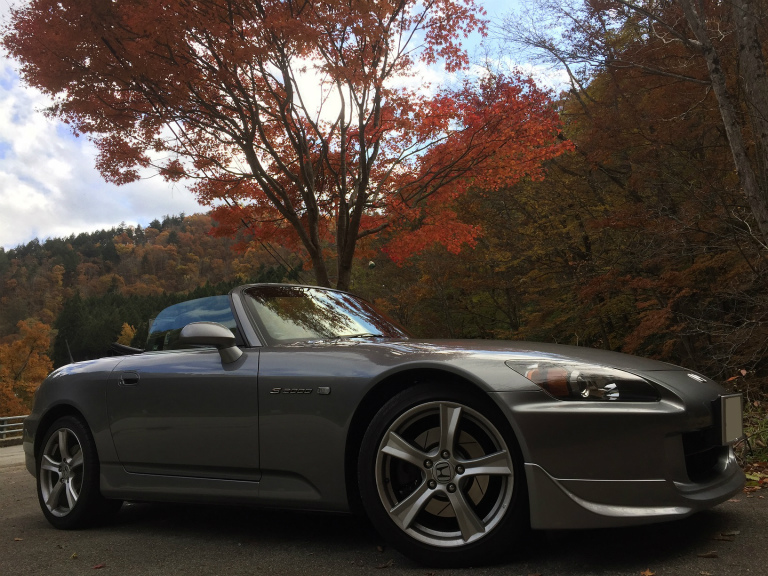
point(11, 456)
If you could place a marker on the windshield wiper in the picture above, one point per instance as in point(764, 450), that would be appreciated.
point(350, 336)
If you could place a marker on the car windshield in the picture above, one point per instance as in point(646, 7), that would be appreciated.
point(295, 313)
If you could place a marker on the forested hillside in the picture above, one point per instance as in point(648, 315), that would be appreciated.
point(175, 255)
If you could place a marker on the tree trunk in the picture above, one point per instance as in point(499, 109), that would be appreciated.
point(733, 128)
point(754, 81)
point(346, 253)
point(319, 267)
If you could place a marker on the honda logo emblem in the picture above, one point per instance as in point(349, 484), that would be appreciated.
point(443, 472)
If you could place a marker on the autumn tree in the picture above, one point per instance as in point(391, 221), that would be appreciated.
point(305, 121)
point(24, 364)
point(716, 47)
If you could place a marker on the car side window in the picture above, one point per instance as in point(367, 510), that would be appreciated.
point(166, 327)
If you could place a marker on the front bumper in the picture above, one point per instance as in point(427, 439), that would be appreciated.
point(568, 504)
point(605, 464)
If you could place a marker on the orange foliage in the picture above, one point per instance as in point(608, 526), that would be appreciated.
point(507, 129)
point(24, 364)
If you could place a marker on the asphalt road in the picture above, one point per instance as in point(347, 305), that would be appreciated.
point(193, 540)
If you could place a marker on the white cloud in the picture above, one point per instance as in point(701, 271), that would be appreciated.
point(548, 77)
point(48, 183)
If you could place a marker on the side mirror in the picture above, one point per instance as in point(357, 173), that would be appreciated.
point(212, 334)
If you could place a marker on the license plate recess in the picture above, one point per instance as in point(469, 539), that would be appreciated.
point(731, 418)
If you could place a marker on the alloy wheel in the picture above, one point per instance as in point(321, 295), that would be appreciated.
point(61, 472)
point(444, 474)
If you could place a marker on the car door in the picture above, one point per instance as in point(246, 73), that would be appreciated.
point(185, 413)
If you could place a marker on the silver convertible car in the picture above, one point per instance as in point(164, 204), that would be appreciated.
point(307, 398)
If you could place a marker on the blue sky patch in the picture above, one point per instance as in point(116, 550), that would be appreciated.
point(8, 81)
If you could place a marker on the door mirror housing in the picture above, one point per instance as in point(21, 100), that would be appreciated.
point(211, 334)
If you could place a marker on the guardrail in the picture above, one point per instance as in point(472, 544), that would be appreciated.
point(11, 429)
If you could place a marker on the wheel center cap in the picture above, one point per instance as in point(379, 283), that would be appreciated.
point(442, 472)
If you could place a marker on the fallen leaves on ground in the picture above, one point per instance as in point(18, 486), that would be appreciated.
point(99, 566)
point(386, 564)
point(711, 554)
point(18, 539)
point(647, 572)
point(721, 538)
point(757, 476)
point(726, 536)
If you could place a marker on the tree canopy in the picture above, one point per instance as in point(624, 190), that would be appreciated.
point(303, 120)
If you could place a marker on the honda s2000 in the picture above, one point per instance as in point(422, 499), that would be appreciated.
point(307, 398)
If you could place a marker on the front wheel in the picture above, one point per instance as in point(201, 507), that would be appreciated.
point(441, 477)
point(68, 477)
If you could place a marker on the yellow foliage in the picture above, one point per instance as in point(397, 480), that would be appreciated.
point(126, 334)
point(108, 282)
point(123, 249)
point(47, 316)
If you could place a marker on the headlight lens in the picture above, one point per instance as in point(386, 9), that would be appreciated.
point(576, 381)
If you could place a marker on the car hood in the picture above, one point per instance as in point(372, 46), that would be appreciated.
point(499, 349)
point(513, 350)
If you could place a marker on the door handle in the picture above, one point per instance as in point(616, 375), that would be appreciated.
point(128, 379)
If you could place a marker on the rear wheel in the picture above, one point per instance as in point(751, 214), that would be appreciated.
point(441, 477)
point(68, 477)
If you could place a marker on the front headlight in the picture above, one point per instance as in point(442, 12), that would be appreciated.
point(577, 381)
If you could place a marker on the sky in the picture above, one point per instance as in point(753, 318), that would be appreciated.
point(49, 186)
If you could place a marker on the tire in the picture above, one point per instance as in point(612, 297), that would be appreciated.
point(68, 477)
point(441, 477)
